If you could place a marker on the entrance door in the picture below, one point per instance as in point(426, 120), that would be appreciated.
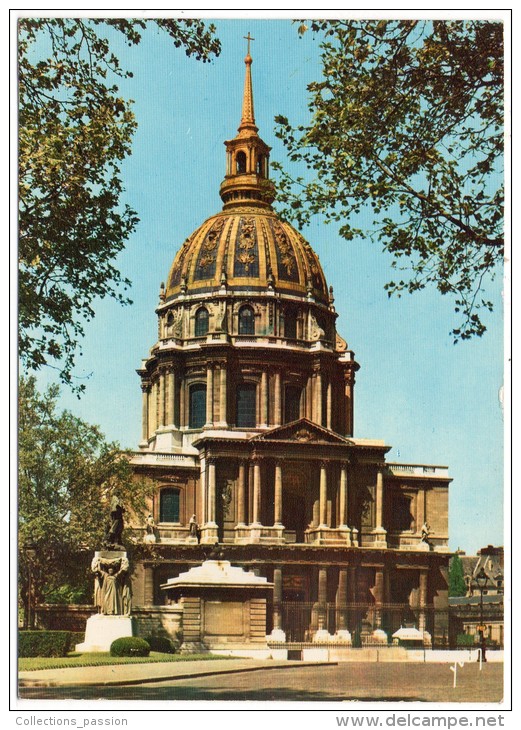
point(296, 485)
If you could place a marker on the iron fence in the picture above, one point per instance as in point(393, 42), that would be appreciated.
point(301, 620)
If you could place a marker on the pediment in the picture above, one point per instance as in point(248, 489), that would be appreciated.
point(302, 431)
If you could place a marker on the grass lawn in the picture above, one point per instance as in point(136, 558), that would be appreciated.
point(99, 659)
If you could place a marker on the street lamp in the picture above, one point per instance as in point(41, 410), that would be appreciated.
point(30, 554)
point(481, 580)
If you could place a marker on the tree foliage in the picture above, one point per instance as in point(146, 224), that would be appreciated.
point(457, 585)
point(67, 475)
point(407, 124)
point(75, 130)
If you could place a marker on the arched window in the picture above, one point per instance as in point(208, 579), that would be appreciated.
point(197, 405)
point(292, 396)
point(245, 416)
point(241, 162)
point(290, 324)
point(260, 166)
point(201, 322)
point(169, 505)
point(246, 321)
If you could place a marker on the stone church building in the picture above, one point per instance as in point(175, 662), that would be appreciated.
point(248, 413)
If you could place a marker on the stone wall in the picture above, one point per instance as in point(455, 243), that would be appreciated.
point(146, 621)
point(157, 621)
point(61, 617)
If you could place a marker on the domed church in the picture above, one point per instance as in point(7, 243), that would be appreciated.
point(248, 433)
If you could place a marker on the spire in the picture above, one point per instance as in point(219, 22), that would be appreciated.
point(248, 114)
point(247, 182)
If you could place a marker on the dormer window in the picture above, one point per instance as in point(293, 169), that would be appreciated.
point(201, 322)
point(240, 161)
point(246, 321)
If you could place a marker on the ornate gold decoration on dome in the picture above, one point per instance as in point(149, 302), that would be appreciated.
point(287, 257)
point(246, 243)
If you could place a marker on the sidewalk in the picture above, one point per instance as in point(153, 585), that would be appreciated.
point(117, 674)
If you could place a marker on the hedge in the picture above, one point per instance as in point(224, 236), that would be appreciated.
point(130, 646)
point(44, 643)
point(162, 644)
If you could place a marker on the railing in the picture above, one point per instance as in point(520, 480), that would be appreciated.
point(150, 457)
point(419, 470)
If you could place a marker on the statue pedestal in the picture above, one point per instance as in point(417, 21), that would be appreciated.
point(102, 630)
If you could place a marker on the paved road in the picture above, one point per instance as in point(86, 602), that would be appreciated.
point(343, 682)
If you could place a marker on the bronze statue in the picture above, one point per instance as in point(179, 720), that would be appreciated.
point(115, 529)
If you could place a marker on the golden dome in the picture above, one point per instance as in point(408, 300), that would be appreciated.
point(246, 248)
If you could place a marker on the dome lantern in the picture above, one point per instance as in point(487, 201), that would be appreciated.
point(247, 157)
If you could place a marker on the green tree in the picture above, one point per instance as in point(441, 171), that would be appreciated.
point(67, 475)
point(457, 585)
point(407, 127)
point(74, 132)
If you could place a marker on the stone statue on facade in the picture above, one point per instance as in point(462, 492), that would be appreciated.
point(192, 524)
point(426, 531)
point(150, 530)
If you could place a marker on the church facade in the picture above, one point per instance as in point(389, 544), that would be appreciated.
point(248, 432)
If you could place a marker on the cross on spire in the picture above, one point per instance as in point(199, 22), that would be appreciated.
point(248, 38)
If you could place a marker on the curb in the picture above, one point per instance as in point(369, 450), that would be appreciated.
point(27, 683)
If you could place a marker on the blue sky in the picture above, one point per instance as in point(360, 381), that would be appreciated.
point(432, 401)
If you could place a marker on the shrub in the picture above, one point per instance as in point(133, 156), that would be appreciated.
point(162, 644)
point(130, 646)
point(44, 643)
point(465, 640)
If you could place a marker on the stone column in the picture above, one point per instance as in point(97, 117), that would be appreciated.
point(379, 598)
point(348, 402)
point(161, 388)
point(309, 398)
point(277, 633)
point(203, 479)
point(223, 416)
point(380, 533)
point(323, 494)
point(170, 411)
point(420, 509)
point(329, 392)
point(182, 404)
point(149, 584)
point(278, 494)
point(277, 399)
point(241, 501)
point(264, 398)
point(318, 398)
point(423, 600)
point(256, 491)
point(341, 606)
point(211, 492)
point(322, 634)
point(343, 496)
point(153, 407)
point(144, 413)
point(209, 394)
